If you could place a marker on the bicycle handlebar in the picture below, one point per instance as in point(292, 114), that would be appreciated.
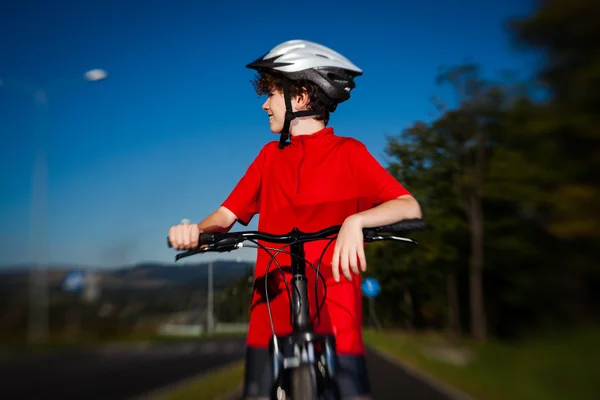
point(222, 242)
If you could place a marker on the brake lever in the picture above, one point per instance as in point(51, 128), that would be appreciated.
point(229, 247)
point(390, 237)
point(192, 252)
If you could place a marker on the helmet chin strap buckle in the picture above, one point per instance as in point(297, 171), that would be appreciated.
point(283, 137)
point(289, 115)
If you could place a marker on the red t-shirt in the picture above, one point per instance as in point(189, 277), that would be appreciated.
point(315, 182)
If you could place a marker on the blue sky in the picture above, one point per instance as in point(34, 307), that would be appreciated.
point(175, 125)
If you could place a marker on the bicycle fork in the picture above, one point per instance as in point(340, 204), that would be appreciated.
point(303, 346)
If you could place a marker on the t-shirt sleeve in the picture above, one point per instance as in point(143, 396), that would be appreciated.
point(375, 184)
point(244, 200)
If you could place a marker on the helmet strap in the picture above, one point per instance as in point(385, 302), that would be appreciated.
point(289, 113)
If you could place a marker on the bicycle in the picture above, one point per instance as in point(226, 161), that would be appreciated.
point(297, 357)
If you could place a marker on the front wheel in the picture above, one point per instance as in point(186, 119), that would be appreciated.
point(303, 383)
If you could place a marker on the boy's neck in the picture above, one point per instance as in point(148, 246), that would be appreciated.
point(305, 126)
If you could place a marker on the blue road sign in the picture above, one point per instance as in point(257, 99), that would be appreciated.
point(73, 282)
point(370, 287)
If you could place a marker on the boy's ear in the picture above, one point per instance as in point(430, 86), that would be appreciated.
point(303, 98)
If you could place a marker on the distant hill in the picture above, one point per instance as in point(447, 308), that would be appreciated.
point(138, 276)
point(130, 293)
point(185, 272)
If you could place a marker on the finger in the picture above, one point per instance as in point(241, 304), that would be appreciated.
point(184, 233)
point(178, 236)
point(354, 261)
point(185, 237)
point(171, 237)
point(362, 259)
point(188, 236)
point(194, 235)
point(335, 264)
point(345, 267)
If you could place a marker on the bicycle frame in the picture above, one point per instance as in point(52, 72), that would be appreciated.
point(303, 344)
point(299, 282)
point(293, 352)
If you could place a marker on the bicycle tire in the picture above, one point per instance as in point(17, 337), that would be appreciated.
point(303, 383)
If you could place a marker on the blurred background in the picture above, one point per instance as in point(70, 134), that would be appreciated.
point(118, 119)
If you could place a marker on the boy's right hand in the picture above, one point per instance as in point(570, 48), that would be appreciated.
point(184, 236)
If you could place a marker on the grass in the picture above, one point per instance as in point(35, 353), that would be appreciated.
point(208, 387)
point(545, 367)
point(548, 367)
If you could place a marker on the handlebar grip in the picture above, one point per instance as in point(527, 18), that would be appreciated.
point(207, 238)
point(406, 225)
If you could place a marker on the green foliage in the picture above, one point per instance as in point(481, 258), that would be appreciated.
point(540, 367)
point(568, 36)
point(534, 166)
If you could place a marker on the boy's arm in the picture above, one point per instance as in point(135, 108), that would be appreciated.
point(348, 253)
point(389, 212)
point(221, 220)
point(186, 235)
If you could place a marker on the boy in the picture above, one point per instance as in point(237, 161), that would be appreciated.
point(315, 180)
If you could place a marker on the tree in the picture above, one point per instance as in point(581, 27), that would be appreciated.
point(567, 36)
point(468, 130)
point(456, 166)
point(420, 160)
point(509, 179)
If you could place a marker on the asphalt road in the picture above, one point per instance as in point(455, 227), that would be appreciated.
point(114, 372)
point(389, 381)
point(129, 372)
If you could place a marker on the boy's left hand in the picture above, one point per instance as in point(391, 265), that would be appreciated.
point(349, 249)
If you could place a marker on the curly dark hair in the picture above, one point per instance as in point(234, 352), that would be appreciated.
point(265, 82)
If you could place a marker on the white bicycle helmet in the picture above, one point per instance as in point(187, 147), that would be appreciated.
point(300, 59)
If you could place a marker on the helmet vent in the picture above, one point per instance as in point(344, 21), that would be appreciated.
point(335, 77)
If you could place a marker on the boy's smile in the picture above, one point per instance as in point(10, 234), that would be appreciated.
point(275, 108)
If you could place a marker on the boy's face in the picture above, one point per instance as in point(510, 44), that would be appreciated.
point(275, 108)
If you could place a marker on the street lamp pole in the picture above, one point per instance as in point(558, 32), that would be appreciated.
point(38, 274)
point(38, 289)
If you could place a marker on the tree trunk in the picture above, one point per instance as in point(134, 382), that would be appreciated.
point(453, 302)
point(478, 320)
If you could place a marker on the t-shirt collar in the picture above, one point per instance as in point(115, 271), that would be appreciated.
point(323, 133)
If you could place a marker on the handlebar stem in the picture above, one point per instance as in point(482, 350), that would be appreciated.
point(302, 322)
